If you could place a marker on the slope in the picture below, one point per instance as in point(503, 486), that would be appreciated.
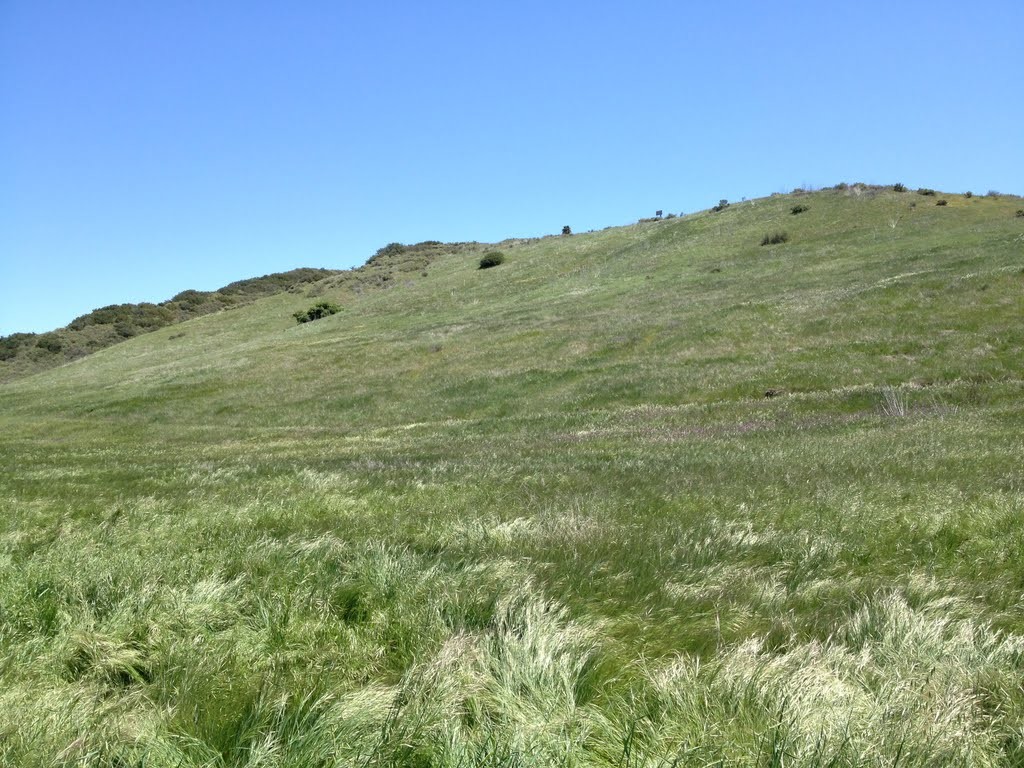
point(26, 353)
point(657, 494)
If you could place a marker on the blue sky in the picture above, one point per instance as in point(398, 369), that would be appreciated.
point(146, 148)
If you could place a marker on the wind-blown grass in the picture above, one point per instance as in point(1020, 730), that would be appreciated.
point(544, 515)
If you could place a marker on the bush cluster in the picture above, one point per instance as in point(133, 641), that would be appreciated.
point(492, 259)
point(926, 192)
point(386, 252)
point(898, 188)
point(775, 238)
point(1020, 213)
point(50, 342)
point(319, 310)
point(722, 205)
point(796, 209)
point(11, 345)
point(942, 202)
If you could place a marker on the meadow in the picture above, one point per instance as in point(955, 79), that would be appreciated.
point(657, 495)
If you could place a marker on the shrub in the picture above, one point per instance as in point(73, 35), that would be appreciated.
point(796, 209)
point(319, 310)
point(942, 202)
point(992, 193)
point(50, 342)
point(11, 345)
point(1020, 213)
point(492, 259)
point(898, 188)
point(842, 186)
point(775, 238)
point(968, 194)
point(391, 249)
point(926, 192)
point(722, 205)
point(566, 230)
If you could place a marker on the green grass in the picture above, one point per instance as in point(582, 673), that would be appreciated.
point(544, 514)
point(22, 354)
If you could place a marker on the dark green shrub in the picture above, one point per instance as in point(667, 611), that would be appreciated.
point(898, 188)
point(1020, 213)
point(11, 345)
point(125, 330)
point(141, 317)
point(775, 238)
point(566, 230)
point(797, 209)
point(389, 250)
point(842, 186)
point(492, 259)
point(942, 202)
point(190, 298)
point(319, 310)
point(968, 194)
point(274, 283)
point(722, 205)
point(50, 342)
point(926, 192)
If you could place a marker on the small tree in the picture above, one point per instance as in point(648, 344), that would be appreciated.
point(722, 205)
point(492, 259)
point(566, 230)
point(50, 342)
point(319, 310)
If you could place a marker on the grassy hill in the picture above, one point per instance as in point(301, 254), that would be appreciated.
point(656, 495)
point(22, 354)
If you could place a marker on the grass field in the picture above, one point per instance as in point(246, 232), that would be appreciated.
point(651, 496)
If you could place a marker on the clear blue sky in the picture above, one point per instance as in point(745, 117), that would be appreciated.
point(146, 148)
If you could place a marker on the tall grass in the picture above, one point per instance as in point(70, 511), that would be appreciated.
point(544, 516)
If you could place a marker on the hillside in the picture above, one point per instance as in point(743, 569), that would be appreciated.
point(22, 354)
point(654, 495)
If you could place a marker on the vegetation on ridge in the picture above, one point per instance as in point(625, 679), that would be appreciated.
point(25, 353)
point(649, 496)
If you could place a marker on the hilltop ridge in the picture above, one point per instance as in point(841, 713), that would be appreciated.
point(26, 353)
point(677, 287)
